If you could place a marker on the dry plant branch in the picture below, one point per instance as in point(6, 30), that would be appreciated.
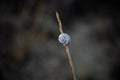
point(67, 48)
point(59, 22)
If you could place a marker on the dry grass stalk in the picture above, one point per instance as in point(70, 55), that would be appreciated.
point(66, 48)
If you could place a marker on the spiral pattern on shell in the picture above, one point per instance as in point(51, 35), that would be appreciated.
point(64, 38)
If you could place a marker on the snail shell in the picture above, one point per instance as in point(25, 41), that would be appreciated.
point(64, 38)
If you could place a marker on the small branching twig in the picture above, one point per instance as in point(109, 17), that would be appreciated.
point(66, 48)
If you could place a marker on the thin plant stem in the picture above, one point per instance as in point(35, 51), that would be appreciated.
point(67, 48)
point(59, 22)
point(70, 61)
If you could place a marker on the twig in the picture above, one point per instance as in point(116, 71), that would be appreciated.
point(66, 48)
point(59, 22)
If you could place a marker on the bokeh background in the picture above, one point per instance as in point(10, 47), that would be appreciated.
point(29, 49)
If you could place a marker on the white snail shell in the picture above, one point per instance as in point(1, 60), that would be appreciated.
point(64, 38)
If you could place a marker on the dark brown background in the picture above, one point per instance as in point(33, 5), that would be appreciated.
point(29, 49)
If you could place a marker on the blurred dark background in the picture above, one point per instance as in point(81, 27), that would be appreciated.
point(29, 49)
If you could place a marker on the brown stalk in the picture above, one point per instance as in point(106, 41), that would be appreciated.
point(66, 48)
